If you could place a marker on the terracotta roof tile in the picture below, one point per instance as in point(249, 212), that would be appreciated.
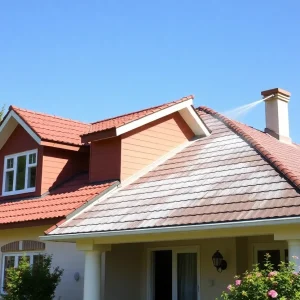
point(221, 178)
point(59, 203)
point(66, 131)
point(116, 122)
point(52, 128)
point(284, 157)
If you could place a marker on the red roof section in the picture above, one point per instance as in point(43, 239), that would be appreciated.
point(52, 128)
point(116, 122)
point(67, 131)
point(283, 157)
point(59, 203)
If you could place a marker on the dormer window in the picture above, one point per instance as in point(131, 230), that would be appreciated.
point(19, 175)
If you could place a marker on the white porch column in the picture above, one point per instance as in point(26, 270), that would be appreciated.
point(92, 276)
point(92, 269)
point(294, 252)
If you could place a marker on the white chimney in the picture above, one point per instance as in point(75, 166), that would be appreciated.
point(277, 114)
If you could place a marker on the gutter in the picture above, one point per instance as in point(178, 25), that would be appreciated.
point(185, 228)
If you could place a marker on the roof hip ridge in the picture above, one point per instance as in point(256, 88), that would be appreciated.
point(272, 160)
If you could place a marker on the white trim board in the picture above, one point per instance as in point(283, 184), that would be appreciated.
point(184, 108)
point(179, 229)
point(14, 116)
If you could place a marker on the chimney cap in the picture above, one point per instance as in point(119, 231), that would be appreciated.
point(276, 91)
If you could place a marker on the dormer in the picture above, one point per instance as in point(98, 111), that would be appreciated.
point(38, 152)
point(124, 145)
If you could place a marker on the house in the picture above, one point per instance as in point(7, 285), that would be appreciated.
point(45, 168)
point(166, 203)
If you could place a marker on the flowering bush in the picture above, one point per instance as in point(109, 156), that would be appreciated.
point(265, 284)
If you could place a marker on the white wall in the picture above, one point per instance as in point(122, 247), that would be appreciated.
point(68, 258)
point(65, 256)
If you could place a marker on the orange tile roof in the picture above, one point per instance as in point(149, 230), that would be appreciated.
point(59, 203)
point(235, 174)
point(283, 157)
point(66, 131)
point(52, 128)
point(116, 122)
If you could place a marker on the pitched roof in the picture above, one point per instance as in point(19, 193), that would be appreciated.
point(67, 131)
point(235, 174)
point(59, 203)
point(52, 128)
point(118, 121)
point(284, 157)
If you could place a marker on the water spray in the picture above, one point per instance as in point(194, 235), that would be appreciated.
point(244, 109)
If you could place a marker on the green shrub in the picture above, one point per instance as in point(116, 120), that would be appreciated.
point(32, 282)
point(265, 283)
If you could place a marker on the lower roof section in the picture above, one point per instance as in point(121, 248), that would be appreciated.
point(58, 203)
point(216, 179)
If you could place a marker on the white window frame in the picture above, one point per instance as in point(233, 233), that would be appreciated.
point(175, 250)
point(16, 255)
point(5, 169)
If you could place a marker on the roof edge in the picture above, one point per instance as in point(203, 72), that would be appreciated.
point(173, 106)
point(169, 229)
point(79, 209)
point(276, 163)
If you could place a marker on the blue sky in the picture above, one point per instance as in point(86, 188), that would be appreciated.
point(89, 60)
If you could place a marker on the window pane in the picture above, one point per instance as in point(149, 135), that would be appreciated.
point(286, 256)
point(187, 276)
point(9, 181)
point(21, 170)
point(31, 177)
point(32, 158)
point(274, 259)
point(9, 262)
point(37, 258)
point(27, 258)
point(10, 163)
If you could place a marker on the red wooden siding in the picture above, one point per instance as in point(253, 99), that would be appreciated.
point(144, 145)
point(21, 141)
point(60, 164)
point(105, 161)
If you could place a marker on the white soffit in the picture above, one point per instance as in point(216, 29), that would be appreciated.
point(9, 125)
point(193, 120)
point(184, 108)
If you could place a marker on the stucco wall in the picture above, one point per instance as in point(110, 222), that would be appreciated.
point(123, 272)
point(64, 255)
point(126, 268)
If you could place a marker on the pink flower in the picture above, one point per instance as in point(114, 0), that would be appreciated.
point(271, 274)
point(238, 282)
point(258, 274)
point(272, 294)
point(229, 287)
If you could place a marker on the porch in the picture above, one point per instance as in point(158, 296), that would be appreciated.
point(175, 270)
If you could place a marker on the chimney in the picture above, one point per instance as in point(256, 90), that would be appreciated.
point(277, 114)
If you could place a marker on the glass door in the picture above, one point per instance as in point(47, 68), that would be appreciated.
point(174, 274)
point(186, 274)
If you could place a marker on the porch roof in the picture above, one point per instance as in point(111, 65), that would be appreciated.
point(236, 174)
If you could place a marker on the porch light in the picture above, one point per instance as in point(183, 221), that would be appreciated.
point(219, 263)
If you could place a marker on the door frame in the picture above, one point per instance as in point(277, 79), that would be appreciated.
point(175, 250)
